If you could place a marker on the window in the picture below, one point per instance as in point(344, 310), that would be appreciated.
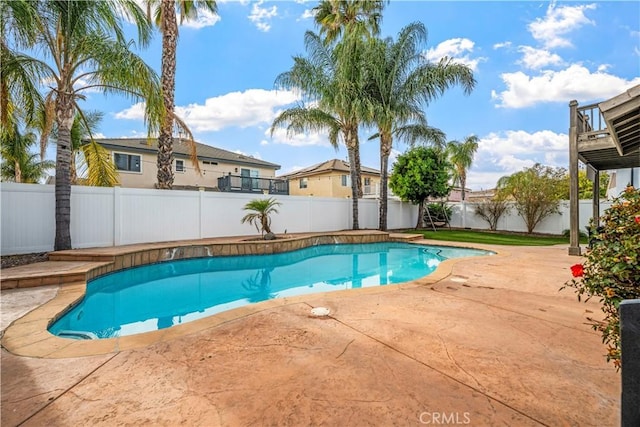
point(304, 182)
point(367, 181)
point(180, 166)
point(346, 181)
point(127, 162)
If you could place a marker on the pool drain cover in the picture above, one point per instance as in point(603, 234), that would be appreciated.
point(320, 311)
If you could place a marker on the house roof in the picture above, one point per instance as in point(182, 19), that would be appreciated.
point(181, 149)
point(328, 166)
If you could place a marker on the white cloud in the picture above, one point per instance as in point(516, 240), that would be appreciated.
point(205, 19)
point(502, 45)
point(551, 30)
point(242, 109)
point(299, 140)
point(459, 49)
point(264, 142)
point(261, 16)
point(308, 13)
point(503, 153)
point(538, 58)
point(575, 82)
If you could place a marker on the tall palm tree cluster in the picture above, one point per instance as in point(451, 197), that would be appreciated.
point(351, 78)
point(55, 51)
point(82, 47)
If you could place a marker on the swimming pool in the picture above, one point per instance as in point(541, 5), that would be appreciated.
point(158, 296)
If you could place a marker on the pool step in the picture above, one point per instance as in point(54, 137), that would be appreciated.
point(402, 237)
point(51, 273)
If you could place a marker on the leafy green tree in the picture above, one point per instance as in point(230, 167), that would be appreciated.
point(585, 186)
point(401, 82)
point(534, 191)
point(83, 48)
point(461, 157)
point(18, 163)
point(418, 174)
point(261, 215)
point(339, 17)
point(165, 17)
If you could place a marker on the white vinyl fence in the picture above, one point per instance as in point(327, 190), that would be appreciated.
point(118, 216)
point(511, 221)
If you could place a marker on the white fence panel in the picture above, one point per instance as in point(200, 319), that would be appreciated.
point(401, 215)
point(157, 215)
point(221, 215)
point(95, 206)
point(511, 221)
point(28, 221)
point(368, 212)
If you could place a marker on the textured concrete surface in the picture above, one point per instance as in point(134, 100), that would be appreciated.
point(493, 343)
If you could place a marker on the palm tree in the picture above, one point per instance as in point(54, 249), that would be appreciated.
point(461, 157)
point(348, 23)
point(338, 17)
point(90, 158)
point(84, 48)
point(260, 217)
point(19, 164)
point(400, 83)
point(165, 17)
point(332, 102)
point(19, 95)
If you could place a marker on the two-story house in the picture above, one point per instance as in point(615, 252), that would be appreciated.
point(331, 179)
point(136, 162)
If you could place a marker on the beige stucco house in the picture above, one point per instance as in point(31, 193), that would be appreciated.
point(331, 179)
point(135, 160)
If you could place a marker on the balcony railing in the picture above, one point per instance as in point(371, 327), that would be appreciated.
point(246, 184)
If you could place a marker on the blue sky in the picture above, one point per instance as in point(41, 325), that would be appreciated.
point(530, 59)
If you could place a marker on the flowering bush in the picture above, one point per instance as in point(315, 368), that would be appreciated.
point(611, 270)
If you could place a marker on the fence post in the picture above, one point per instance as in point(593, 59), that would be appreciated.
point(117, 225)
point(200, 211)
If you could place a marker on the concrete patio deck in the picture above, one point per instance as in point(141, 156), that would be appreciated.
point(489, 341)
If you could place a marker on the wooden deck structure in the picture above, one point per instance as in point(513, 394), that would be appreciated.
point(603, 136)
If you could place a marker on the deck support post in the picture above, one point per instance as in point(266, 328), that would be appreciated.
point(574, 196)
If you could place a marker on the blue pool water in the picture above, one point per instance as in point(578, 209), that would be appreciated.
point(161, 295)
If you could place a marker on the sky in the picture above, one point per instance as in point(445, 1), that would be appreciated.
point(529, 58)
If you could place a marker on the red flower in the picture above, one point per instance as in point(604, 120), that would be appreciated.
point(637, 219)
point(577, 270)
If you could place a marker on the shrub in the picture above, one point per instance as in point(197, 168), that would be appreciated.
point(611, 270)
point(491, 211)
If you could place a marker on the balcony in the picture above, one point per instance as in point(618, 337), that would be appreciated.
point(245, 184)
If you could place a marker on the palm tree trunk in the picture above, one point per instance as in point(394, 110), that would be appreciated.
point(358, 168)
point(385, 150)
point(351, 145)
point(463, 182)
point(168, 81)
point(64, 118)
point(17, 171)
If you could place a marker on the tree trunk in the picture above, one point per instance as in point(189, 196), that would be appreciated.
point(351, 145)
point(420, 223)
point(168, 80)
point(64, 118)
point(17, 171)
point(385, 150)
point(358, 168)
point(463, 182)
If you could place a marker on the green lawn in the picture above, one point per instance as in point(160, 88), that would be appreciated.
point(492, 238)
